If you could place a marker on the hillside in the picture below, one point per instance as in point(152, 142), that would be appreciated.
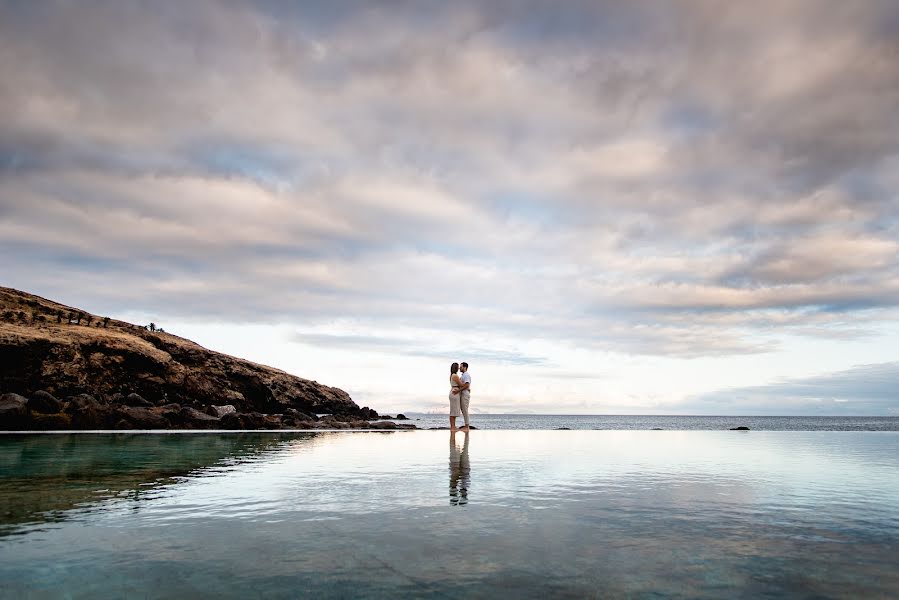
point(74, 369)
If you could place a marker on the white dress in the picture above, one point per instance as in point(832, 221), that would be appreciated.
point(455, 400)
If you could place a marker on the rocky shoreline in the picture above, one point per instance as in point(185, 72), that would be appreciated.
point(44, 412)
point(64, 368)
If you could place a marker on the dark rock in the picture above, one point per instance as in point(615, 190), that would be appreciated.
point(232, 421)
point(194, 419)
point(143, 418)
point(740, 428)
point(82, 401)
point(383, 425)
point(272, 422)
point(254, 420)
point(88, 412)
point(563, 428)
point(48, 422)
point(13, 411)
point(656, 429)
point(136, 400)
point(401, 417)
point(44, 402)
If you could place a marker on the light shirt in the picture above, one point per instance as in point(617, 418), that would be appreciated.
point(466, 378)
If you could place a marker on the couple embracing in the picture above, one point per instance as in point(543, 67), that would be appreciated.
point(460, 394)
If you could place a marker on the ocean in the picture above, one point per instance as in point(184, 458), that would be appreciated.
point(434, 514)
point(679, 423)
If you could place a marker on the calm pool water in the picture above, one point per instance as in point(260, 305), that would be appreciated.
point(497, 514)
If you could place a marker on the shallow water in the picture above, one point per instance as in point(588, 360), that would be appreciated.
point(514, 513)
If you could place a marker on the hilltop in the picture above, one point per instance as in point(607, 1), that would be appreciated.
point(63, 367)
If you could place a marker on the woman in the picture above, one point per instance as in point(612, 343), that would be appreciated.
point(455, 396)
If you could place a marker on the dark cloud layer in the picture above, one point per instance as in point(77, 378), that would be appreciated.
point(666, 179)
point(862, 390)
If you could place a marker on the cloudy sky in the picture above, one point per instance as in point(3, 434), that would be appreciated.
point(604, 207)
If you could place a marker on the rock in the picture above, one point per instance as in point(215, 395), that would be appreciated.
point(13, 411)
point(49, 422)
point(232, 421)
point(136, 400)
point(563, 428)
point(87, 412)
point(194, 419)
point(254, 420)
point(401, 417)
point(272, 422)
point(300, 415)
point(740, 428)
point(82, 401)
point(656, 429)
point(221, 411)
point(383, 425)
point(44, 402)
point(368, 413)
point(143, 418)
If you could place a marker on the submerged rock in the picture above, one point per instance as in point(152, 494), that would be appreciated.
point(740, 428)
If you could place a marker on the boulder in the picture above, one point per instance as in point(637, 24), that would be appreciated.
point(44, 402)
point(194, 419)
point(232, 421)
point(82, 401)
point(272, 422)
point(136, 400)
point(383, 425)
point(253, 420)
point(221, 411)
point(401, 417)
point(143, 418)
point(299, 414)
point(740, 428)
point(49, 422)
point(87, 412)
point(13, 411)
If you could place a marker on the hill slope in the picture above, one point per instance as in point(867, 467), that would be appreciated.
point(46, 346)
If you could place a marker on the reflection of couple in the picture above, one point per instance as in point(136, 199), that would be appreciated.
point(460, 394)
point(460, 471)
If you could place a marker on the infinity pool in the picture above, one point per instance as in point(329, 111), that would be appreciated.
point(497, 513)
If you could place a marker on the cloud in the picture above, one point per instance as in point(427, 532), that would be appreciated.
point(862, 390)
point(678, 180)
point(394, 346)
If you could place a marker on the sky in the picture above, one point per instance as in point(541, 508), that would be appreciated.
point(684, 207)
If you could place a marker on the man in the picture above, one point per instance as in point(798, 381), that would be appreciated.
point(465, 392)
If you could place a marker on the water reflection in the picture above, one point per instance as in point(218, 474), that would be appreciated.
point(44, 477)
point(460, 471)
